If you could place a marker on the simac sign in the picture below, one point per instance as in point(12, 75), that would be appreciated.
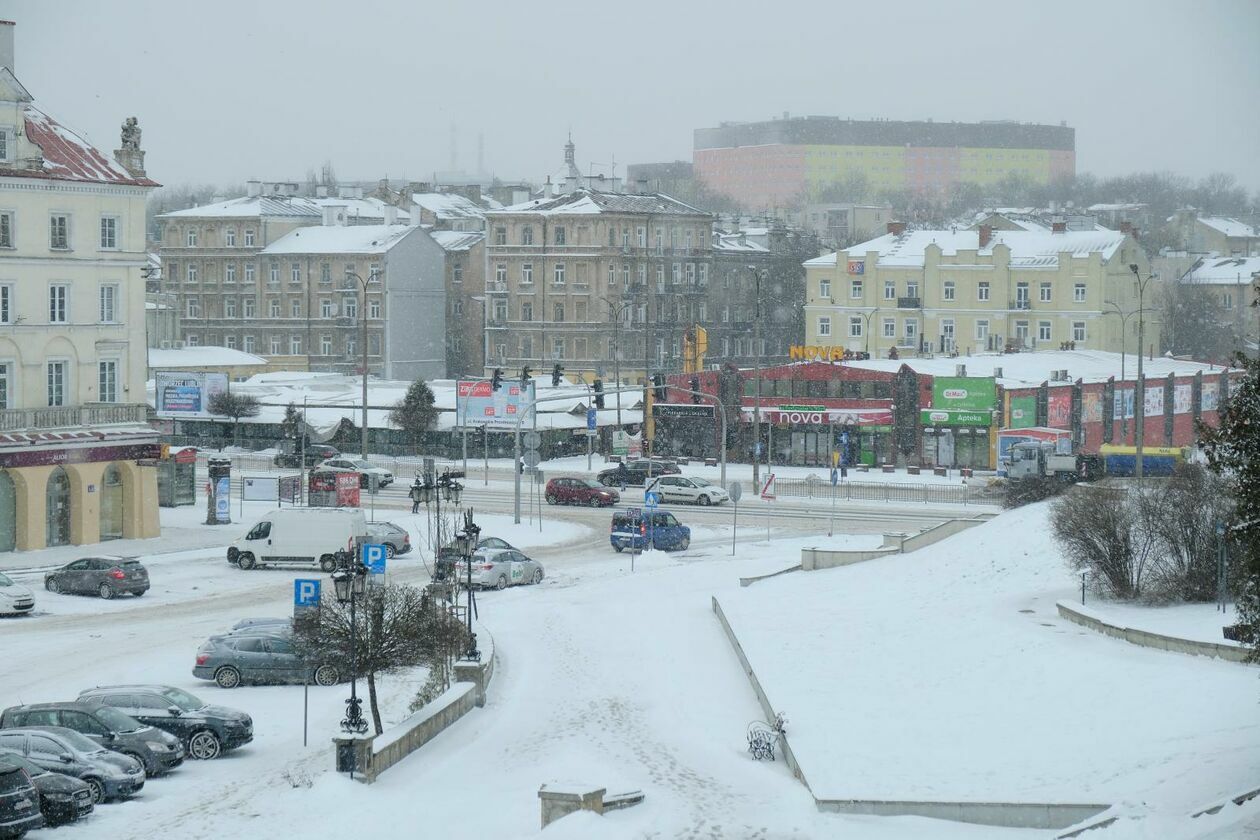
point(970, 393)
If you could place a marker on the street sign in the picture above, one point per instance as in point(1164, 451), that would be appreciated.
point(306, 592)
point(767, 489)
point(374, 558)
point(374, 483)
point(683, 410)
point(735, 490)
point(651, 499)
point(531, 458)
point(532, 440)
point(591, 417)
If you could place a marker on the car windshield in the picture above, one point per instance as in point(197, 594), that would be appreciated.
point(590, 482)
point(4, 581)
point(32, 769)
point(116, 720)
point(183, 699)
point(700, 482)
point(82, 743)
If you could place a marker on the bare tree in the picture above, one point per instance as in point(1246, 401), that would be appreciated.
point(1100, 531)
point(236, 406)
point(1181, 514)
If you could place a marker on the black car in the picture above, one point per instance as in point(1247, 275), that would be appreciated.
point(448, 557)
point(156, 750)
point(62, 799)
point(291, 456)
point(19, 801)
point(106, 576)
point(207, 731)
point(636, 473)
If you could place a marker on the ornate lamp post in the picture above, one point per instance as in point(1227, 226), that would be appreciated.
point(466, 543)
point(363, 316)
point(349, 583)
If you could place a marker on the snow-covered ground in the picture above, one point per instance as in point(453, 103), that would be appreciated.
point(1198, 622)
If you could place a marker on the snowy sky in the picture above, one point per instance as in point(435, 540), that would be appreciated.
point(238, 89)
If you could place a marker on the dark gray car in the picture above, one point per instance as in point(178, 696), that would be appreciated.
point(207, 731)
point(260, 656)
point(105, 576)
point(62, 798)
point(112, 775)
point(158, 751)
point(397, 540)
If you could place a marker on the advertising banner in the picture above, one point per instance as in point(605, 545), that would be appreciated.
point(1023, 412)
point(857, 266)
point(1092, 407)
point(263, 489)
point(1183, 397)
point(223, 499)
point(186, 394)
point(478, 404)
point(954, 417)
point(1059, 407)
point(627, 445)
point(703, 412)
point(1211, 396)
point(1153, 397)
point(973, 393)
point(1123, 404)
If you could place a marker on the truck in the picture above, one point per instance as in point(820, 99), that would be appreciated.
point(298, 536)
point(1031, 458)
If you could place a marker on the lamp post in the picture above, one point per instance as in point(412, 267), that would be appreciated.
point(435, 489)
point(466, 543)
point(869, 315)
point(757, 379)
point(363, 315)
point(615, 310)
point(349, 582)
point(1139, 426)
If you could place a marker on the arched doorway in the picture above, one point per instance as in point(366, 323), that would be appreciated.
point(112, 504)
point(8, 513)
point(58, 508)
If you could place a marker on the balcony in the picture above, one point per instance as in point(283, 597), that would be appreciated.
point(1021, 304)
point(910, 303)
point(71, 417)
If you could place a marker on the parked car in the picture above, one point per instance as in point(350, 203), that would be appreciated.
point(448, 557)
point(19, 801)
point(106, 576)
point(636, 473)
point(259, 657)
point(291, 455)
point(262, 624)
point(158, 751)
point(15, 599)
point(303, 536)
point(686, 488)
point(111, 775)
point(634, 529)
point(580, 491)
point(397, 540)
point(384, 477)
point(62, 798)
point(500, 568)
point(207, 731)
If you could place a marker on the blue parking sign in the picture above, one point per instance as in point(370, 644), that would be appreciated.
point(305, 592)
point(374, 558)
point(591, 418)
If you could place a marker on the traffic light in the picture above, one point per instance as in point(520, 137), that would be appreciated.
point(598, 386)
point(525, 374)
point(556, 372)
point(496, 381)
point(662, 393)
point(695, 387)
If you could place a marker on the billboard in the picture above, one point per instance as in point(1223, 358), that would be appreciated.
point(186, 394)
point(971, 393)
point(1059, 407)
point(954, 417)
point(478, 404)
point(1023, 412)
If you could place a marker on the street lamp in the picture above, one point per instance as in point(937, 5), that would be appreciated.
point(1139, 426)
point(363, 315)
point(466, 542)
point(757, 275)
point(349, 584)
point(869, 315)
point(616, 310)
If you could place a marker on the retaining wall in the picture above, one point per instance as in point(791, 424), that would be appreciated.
point(1221, 650)
point(821, 558)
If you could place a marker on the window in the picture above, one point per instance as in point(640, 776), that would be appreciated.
point(704, 274)
point(229, 273)
point(249, 344)
point(641, 236)
point(691, 274)
point(726, 317)
point(527, 310)
point(109, 304)
point(325, 308)
point(527, 347)
point(1043, 330)
point(1227, 300)
point(275, 345)
point(500, 310)
point(190, 238)
point(1046, 293)
point(625, 277)
point(890, 328)
point(642, 274)
point(107, 381)
point(249, 272)
point(824, 288)
point(527, 273)
point(6, 304)
point(1078, 330)
point(229, 307)
point(229, 341)
point(676, 275)
point(558, 312)
point(374, 309)
point(295, 273)
point(890, 290)
point(982, 330)
point(249, 237)
point(273, 272)
point(193, 306)
point(374, 345)
point(273, 308)
point(57, 383)
point(660, 278)
point(559, 236)
point(374, 273)
point(59, 231)
point(457, 274)
point(250, 305)
point(855, 289)
point(855, 326)
point(500, 274)
point(1078, 293)
point(6, 230)
point(912, 288)
point(6, 144)
point(109, 232)
point(824, 326)
point(325, 345)
point(500, 236)
point(912, 332)
point(295, 308)
point(58, 304)
point(350, 307)
point(982, 290)
point(4, 385)
point(295, 345)
point(190, 273)
point(625, 237)
point(557, 348)
point(558, 278)
point(660, 246)
point(1021, 296)
point(229, 237)
point(527, 235)
point(947, 291)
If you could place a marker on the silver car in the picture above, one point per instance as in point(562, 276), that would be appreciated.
point(503, 567)
point(112, 775)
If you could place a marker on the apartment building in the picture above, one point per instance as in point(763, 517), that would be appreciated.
point(76, 455)
point(958, 291)
point(465, 272)
point(1235, 284)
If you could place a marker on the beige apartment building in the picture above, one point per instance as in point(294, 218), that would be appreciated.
point(1235, 284)
point(963, 291)
point(76, 455)
point(595, 281)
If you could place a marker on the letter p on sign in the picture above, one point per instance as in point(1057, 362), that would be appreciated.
point(305, 592)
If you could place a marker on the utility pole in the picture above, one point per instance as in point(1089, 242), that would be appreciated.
point(363, 315)
point(1139, 406)
point(757, 381)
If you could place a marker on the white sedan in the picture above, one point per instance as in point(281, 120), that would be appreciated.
point(383, 476)
point(500, 568)
point(15, 599)
point(688, 489)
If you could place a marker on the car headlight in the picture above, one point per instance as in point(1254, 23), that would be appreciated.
point(59, 797)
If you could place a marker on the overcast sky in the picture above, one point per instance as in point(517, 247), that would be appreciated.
point(230, 90)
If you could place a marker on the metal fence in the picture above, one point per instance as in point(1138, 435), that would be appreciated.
point(819, 488)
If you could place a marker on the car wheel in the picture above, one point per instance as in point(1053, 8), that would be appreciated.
point(608, 481)
point(594, 502)
point(537, 576)
point(328, 563)
point(53, 586)
point(326, 675)
point(227, 677)
point(705, 501)
point(139, 592)
point(106, 591)
point(551, 498)
point(140, 759)
point(98, 789)
point(502, 584)
point(390, 551)
point(204, 745)
point(617, 549)
point(685, 544)
point(245, 560)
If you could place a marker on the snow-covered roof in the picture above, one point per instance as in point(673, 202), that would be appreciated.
point(589, 202)
point(67, 156)
point(1223, 271)
point(449, 206)
point(1115, 208)
point(201, 357)
point(259, 206)
point(339, 239)
point(738, 242)
point(456, 240)
point(1029, 249)
point(1229, 227)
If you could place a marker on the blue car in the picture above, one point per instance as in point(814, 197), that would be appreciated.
point(638, 531)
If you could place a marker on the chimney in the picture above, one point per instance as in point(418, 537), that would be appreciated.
point(997, 373)
point(641, 186)
point(391, 214)
point(896, 228)
point(986, 235)
point(1058, 227)
point(253, 189)
point(960, 371)
point(334, 215)
point(6, 44)
point(321, 191)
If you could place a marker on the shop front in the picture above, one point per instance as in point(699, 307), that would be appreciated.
point(957, 438)
point(808, 435)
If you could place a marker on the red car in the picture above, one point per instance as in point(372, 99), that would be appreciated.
point(580, 491)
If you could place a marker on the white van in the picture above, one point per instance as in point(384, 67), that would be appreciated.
point(298, 535)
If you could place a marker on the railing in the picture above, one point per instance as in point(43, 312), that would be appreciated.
point(1021, 304)
point(875, 492)
point(69, 417)
point(909, 303)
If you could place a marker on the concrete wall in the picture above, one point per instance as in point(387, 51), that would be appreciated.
point(1145, 638)
point(1009, 814)
point(813, 559)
